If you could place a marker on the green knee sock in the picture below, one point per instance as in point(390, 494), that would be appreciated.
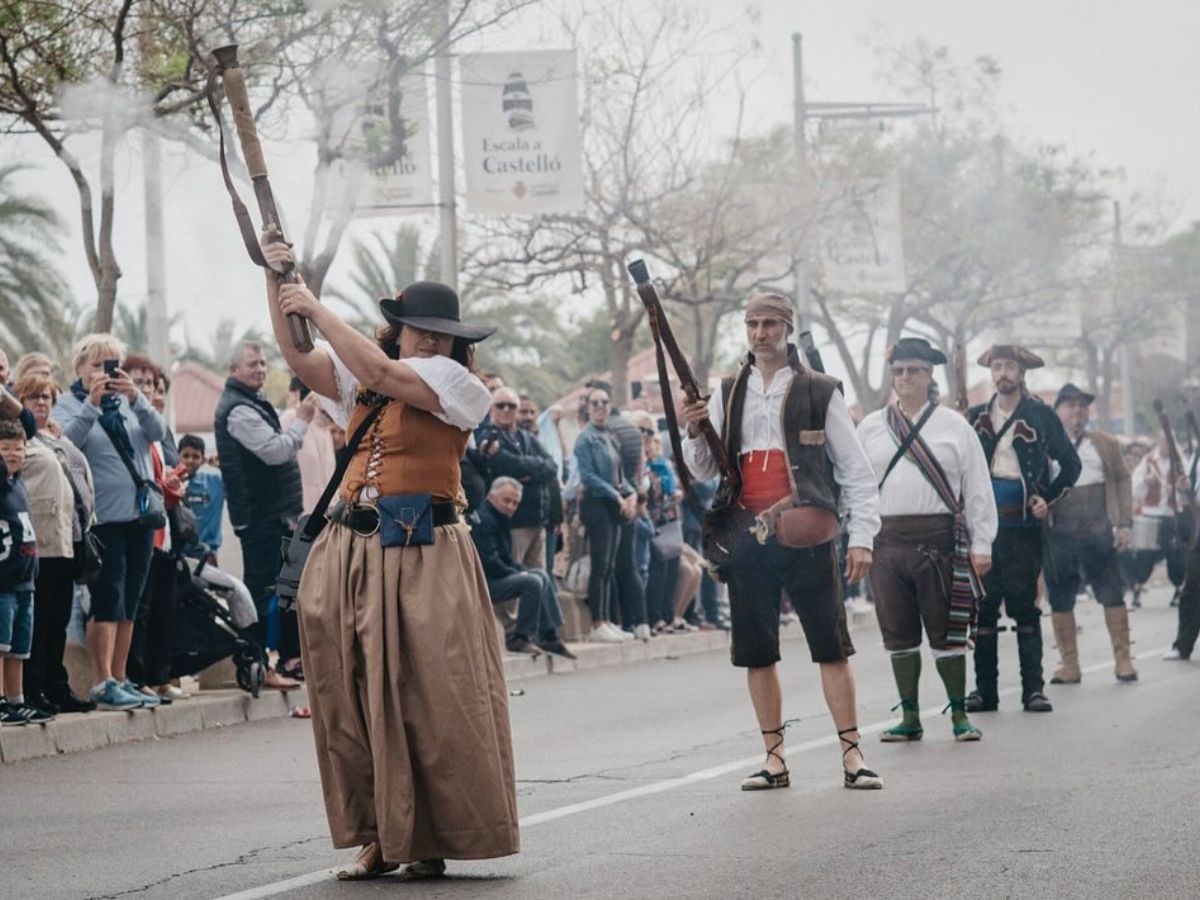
point(907, 669)
point(953, 670)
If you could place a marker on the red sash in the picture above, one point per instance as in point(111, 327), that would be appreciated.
point(765, 479)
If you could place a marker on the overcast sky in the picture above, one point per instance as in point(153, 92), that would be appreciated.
point(1115, 79)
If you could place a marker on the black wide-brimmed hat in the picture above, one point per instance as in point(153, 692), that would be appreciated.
point(432, 306)
point(916, 348)
point(1026, 359)
point(1070, 392)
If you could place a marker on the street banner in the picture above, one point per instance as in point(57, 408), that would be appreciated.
point(387, 153)
point(862, 251)
point(520, 126)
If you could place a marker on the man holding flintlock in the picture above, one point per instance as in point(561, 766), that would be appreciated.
point(788, 432)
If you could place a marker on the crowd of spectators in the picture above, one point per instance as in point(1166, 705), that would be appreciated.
point(104, 511)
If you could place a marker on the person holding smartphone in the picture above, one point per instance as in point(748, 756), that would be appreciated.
point(113, 423)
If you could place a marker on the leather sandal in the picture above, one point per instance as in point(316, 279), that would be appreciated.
point(423, 870)
point(864, 779)
point(764, 780)
point(368, 864)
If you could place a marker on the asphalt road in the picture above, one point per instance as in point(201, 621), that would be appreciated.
point(628, 787)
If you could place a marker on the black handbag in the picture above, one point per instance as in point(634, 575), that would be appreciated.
point(296, 546)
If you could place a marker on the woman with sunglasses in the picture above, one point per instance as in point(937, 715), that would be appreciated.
point(608, 501)
point(404, 672)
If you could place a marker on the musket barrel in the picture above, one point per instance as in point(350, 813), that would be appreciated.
point(234, 80)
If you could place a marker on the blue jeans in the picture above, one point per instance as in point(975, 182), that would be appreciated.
point(538, 612)
point(261, 556)
point(16, 627)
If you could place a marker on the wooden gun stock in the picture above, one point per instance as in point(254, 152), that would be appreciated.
point(234, 81)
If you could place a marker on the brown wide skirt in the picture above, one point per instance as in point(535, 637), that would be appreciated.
point(410, 708)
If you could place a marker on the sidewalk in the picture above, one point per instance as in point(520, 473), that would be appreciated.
point(207, 709)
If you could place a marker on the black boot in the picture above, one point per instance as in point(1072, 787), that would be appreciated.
point(1029, 652)
point(985, 696)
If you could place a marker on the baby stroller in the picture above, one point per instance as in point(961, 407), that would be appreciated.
point(212, 610)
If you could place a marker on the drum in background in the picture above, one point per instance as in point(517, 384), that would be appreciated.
point(1145, 533)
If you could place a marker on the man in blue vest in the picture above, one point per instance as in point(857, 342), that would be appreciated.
point(262, 489)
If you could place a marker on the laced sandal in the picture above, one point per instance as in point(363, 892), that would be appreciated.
point(964, 730)
point(423, 870)
point(765, 780)
point(905, 731)
point(368, 864)
point(864, 779)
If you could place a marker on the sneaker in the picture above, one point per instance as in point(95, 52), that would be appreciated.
point(1173, 653)
point(41, 701)
point(175, 693)
point(110, 696)
point(602, 635)
point(67, 702)
point(619, 633)
point(35, 715)
point(10, 715)
point(641, 632)
point(148, 699)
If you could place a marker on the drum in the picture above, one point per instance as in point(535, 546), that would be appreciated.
point(1145, 533)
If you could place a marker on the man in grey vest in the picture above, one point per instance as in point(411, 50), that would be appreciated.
point(792, 442)
point(262, 489)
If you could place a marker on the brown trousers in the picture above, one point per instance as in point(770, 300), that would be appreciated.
point(910, 580)
point(410, 708)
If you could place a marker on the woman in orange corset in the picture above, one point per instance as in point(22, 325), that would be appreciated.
point(400, 651)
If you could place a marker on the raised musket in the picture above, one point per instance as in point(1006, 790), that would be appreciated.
point(961, 402)
point(234, 81)
point(1176, 470)
point(664, 339)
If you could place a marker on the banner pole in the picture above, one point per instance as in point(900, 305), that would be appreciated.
point(445, 125)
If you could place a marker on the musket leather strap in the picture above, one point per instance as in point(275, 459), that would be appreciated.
point(245, 225)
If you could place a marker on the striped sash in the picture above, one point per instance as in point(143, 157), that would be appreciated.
point(965, 587)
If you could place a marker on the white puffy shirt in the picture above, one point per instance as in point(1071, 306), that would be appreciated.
point(762, 429)
point(465, 401)
point(908, 493)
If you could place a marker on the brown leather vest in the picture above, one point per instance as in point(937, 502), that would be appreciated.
point(804, 434)
point(407, 451)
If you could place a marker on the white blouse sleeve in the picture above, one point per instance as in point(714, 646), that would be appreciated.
point(339, 410)
point(465, 401)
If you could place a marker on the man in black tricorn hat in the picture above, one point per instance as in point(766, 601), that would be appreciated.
point(1021, 435)
point(939, 521)
point(1088, 528)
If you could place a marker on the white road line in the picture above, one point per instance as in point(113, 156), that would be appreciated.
point(657, 787)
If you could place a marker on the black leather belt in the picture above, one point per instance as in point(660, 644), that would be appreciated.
point(363, 519)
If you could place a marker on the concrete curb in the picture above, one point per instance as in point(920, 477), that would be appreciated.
point(76, 733)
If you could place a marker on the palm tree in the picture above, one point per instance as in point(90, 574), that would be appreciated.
point(225, 337)
point(381, 266)
point(34, 303)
